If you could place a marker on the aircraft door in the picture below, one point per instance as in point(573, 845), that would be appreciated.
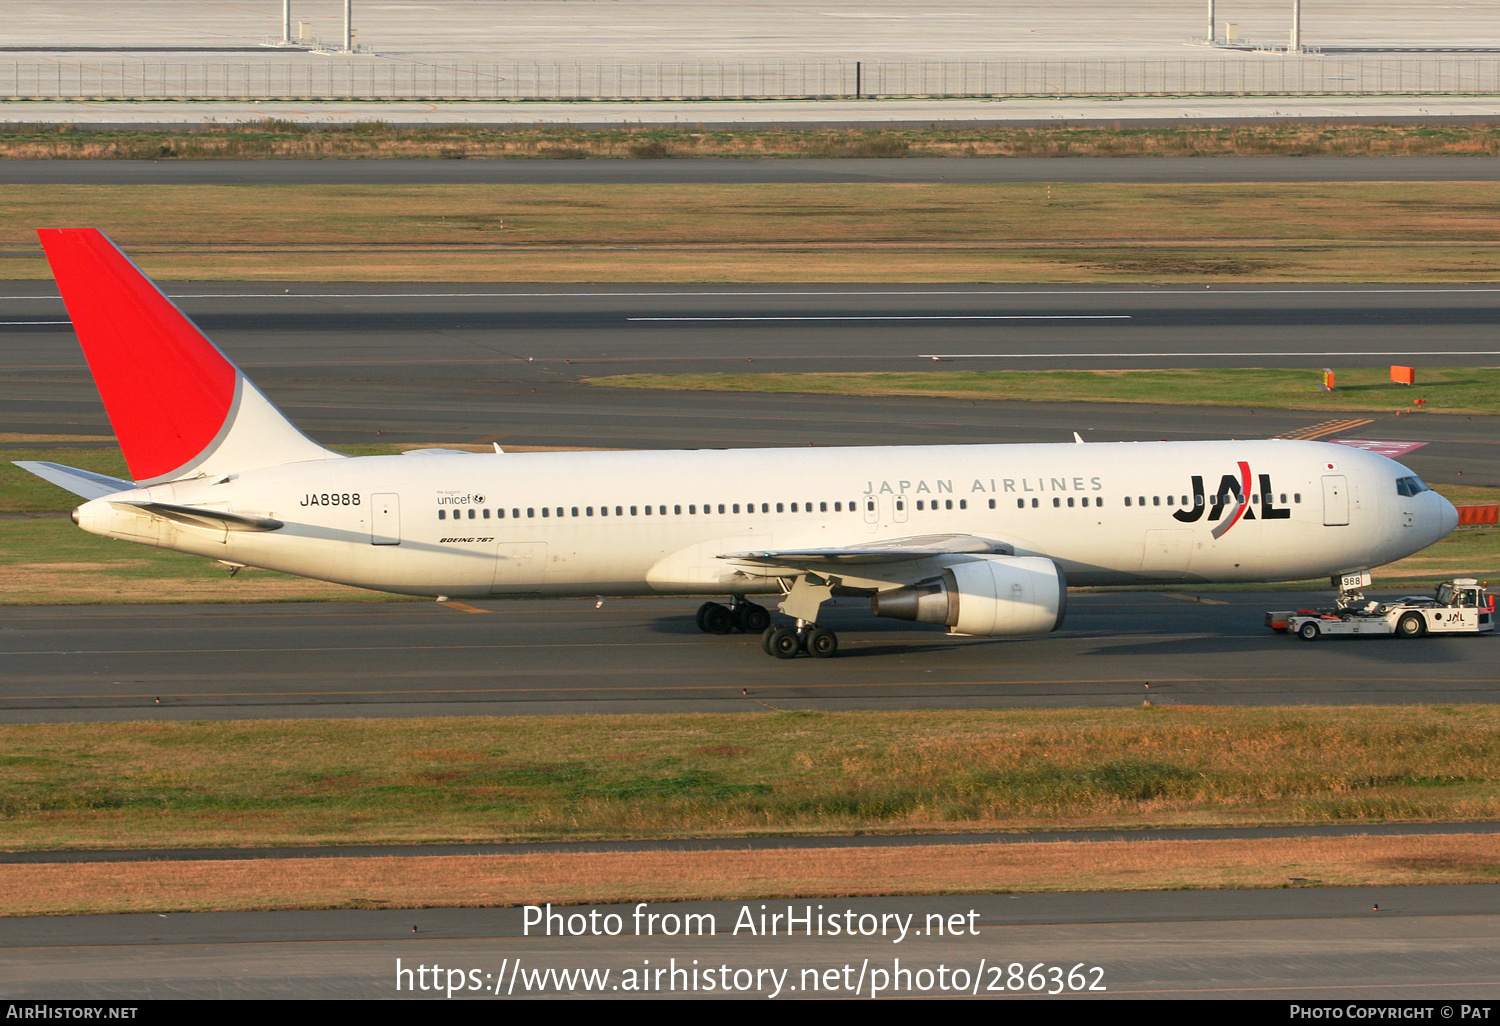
point(385, 522)
point(1335, 500)
point(872, 512)
point(1166, 553)
point(519, 567)
point(899, 508)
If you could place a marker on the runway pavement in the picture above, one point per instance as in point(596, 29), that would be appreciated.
point(731, 171)
point(464, 363)
point(112, 663)
point(1423, 943)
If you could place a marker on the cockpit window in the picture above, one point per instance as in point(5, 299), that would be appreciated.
point(1410, 486)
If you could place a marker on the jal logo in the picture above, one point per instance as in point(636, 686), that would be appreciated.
point(1232, 499)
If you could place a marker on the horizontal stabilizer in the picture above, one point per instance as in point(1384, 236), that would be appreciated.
point(896, 550)
point(80, 482)
point(194, 516)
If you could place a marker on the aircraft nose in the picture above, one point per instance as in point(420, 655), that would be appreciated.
point(1447, 516)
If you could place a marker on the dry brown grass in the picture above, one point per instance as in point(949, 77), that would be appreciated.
point(871, 232)
point(280, 139)
point(998, 263)
point(17, 437)
point(267, 782)
point(504, 216)
point(596, 878)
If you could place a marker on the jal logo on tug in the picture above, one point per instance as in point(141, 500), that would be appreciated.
point(1234, 494)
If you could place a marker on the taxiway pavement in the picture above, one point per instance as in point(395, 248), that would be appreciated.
point(1354, 943)
point(515, 657)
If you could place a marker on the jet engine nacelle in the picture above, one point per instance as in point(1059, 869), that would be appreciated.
point(985, 595)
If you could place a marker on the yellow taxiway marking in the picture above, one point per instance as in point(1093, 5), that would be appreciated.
point(1327, 427)
point(463, 607)
point(1194, 598)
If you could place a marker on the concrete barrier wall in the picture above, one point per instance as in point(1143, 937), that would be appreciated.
point(370, 78)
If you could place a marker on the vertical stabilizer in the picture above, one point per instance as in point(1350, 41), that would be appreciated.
point(179, 407)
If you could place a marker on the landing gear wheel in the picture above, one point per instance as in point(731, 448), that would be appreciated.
point(765, 640)
point(1309, 631)
point(703, 612)
point(783, 643)
point(752, 619)
point(822, 643)
point(717, 619)
point(1411, 625)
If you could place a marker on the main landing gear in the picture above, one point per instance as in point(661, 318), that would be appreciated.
point(805, 596)
point(786, 642)
point(742, 615)
point(781, 642)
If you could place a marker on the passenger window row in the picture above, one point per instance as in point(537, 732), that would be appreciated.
point(1199, 500)
point(923, 505)
point(707, 509)
point(692, 509)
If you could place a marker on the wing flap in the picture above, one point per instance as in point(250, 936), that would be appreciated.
point(895, 550)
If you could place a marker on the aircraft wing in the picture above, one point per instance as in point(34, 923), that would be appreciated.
point(893, 550)
point(80, 482)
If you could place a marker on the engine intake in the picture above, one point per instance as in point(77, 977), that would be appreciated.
point(988, 596)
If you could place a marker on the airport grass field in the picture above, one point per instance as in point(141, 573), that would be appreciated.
point(1008, 232)
point(1467, 390)
point(142, 785)
point(276, 139)
point(240, 783)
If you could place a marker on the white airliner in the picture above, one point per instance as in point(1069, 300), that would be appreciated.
point(984, 539)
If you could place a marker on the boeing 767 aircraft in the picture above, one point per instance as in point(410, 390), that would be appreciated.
point(984, 539)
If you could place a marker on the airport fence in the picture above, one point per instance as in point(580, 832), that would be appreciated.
point(372, 78)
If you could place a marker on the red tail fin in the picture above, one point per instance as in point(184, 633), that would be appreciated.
point(172, 397)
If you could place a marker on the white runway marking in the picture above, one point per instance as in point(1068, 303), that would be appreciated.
point(14, 323)
point(1287, 352)
point(904, 317)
